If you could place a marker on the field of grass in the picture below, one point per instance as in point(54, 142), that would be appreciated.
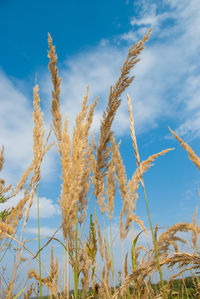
point(180, 288)
point(98, 167)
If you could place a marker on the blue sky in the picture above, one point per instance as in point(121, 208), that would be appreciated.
point(92, 39)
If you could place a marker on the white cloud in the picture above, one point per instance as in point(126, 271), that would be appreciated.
point(162, 83)
point(16, 124)
point(45, 231)
point(47, 208)
point(16, 127)
point(190, 128)
point(175, 46)
point(165, 87)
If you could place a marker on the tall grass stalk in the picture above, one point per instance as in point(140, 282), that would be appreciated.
point(76, 185)
point(110, 251)
point(133, 257)
point(76, 261)
point(15, 297)
point(137, 156)
point(112, 258)
point(185, 287)
point(39, 255)
point(5, 250)
point(154, 243)
point(67, 268)
point(63, 271)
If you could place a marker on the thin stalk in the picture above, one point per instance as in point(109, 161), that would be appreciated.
point(40, 270)
point(103, 282)
point(185, 286)
point(5, 251)
point(63, 272)
point(93, 270)
point(67, 268)
point(155, 244)
point(95, 210)
point(113, 272)
point(19, 293)
point(108, 248)
point(133, 264)
point(21, 244)
point(76, 264)
point(83, 229)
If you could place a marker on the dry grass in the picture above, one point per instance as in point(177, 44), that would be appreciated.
point(85, 167)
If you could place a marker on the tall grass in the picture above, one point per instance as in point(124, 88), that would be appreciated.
point(99, 168)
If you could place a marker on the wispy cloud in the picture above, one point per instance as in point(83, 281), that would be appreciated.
point(176, 68)
point(16, 124)
point(166, 84)
point(45, 231)
point(16, 127)
point(47, 207)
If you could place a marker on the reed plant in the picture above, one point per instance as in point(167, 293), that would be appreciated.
point(99, 168)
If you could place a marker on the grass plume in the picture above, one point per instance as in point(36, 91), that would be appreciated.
point(93, 174)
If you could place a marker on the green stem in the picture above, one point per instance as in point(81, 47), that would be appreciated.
point(40, 270)
point(93, 270)
point(155, 245)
